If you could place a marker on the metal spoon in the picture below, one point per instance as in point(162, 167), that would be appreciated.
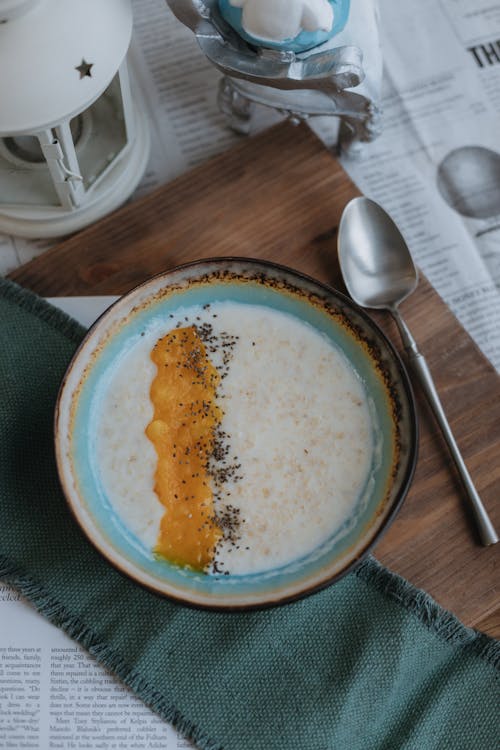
point(379, 272)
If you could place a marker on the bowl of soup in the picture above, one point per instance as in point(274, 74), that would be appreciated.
point(233, 434)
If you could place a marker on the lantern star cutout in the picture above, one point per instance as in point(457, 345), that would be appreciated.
point(84, 69)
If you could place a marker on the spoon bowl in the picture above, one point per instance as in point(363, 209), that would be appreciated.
point(377, 266)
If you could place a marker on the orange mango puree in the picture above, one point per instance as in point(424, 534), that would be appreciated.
point(183, 433)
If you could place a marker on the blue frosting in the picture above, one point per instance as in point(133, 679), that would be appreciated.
point(304, 41)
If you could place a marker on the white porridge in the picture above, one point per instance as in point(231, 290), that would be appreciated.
point(294, 446)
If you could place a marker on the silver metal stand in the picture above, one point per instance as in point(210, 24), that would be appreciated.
point(300, 86)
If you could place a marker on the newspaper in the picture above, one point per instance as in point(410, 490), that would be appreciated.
point(436, 169)
point(54, 695)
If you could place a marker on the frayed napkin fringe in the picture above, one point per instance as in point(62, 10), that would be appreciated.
point(443, 623)
point(48, 606)
point(55, 318)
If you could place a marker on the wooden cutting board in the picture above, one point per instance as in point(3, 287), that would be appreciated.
point(279, 196)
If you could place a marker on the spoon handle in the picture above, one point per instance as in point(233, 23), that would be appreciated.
point(420, 369)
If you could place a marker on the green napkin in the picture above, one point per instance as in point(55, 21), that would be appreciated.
point(369, 663)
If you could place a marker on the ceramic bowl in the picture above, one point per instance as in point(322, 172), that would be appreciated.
point(248, 282)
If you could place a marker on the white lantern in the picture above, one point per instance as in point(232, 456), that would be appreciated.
point(73, 142)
